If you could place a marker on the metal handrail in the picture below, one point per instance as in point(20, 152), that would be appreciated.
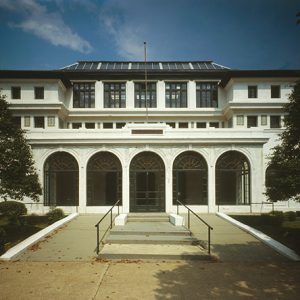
point(110, 226)
point(209, 228)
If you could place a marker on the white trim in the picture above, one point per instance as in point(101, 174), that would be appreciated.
point(21, 247)
point(282, 249)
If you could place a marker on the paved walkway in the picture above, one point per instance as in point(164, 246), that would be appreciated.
point(246, 269)
point(77, 241)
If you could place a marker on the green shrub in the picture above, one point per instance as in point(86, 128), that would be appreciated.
point(55, 215)
point(12, 210)
point(274, 218)
point(2, 239)
point(290, 216)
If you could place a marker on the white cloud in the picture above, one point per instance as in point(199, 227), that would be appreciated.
point(46, 25)
point(127, 36)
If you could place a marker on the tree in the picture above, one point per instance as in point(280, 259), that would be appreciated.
point(18, 177)
point(284, 182)
point(298, 16)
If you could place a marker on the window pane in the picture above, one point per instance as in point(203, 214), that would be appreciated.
point(84, 95)
point(275, 122)
point(207, 94)
point(39, 92)
point(251, 121)
point(252, 91)
point(15, 92)
point(275, 91)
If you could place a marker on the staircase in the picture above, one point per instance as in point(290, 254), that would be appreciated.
point(151, 236)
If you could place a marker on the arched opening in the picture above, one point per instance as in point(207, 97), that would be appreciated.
point(190, 176)
point(232, 179)
point(104, 179)
point(147, 183)
point(61, 183)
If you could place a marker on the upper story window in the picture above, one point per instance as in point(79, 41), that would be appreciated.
point(275, 122)
point(39, 92)
point(207, 94)
point(252, 91)
point(176, 94)
point(275, 91)
point(84, 95)
point(140, 94)
point(15, 92)
point(251, 121)
point(114, 95)
point(39, 122)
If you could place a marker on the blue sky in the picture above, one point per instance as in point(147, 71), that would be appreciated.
point(240, 34)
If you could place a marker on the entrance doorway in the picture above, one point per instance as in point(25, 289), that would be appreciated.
point(147, 183)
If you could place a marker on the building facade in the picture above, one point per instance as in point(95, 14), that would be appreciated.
point(150, 134)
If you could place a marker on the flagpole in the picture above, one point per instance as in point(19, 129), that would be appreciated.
point(146, 100)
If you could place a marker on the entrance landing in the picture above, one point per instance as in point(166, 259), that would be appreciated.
point(151, 237)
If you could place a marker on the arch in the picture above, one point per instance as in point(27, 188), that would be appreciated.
point(190, 178)
point(233, 179)
point(61, 180)
point(104, 179)
point(147, 183)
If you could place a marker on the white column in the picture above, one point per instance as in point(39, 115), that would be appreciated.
point(82, 188)
point(129, 94)
point(191, 94)
point(161, 94)
point(99, 94)
point(212, 184)
point(169, 188)
point(125, 189)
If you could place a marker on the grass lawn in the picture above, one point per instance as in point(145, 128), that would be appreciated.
point(287, 233)
point(17, 233)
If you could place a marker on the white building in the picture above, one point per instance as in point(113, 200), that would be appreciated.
point(204, 137)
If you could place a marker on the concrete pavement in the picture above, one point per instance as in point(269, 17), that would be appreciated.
point(245, 269)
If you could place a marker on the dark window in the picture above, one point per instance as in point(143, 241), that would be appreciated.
point(275, 122)
point(84, 95)
point(39, 122)
point(176, 94)
point(232, 179)
point(114, 95)
point(252, 91)
point(39, 92)
point(15, 92)
point(17, 121)
point(171, 124)
point(107, 125)
point(251, 121)
point(140, 94)
point(183, 125)
point(90, 125)
point(207, 94)
point(201, 124)
point(120, 125)
point(275, 91)
point(214, 124)
point(76, 125)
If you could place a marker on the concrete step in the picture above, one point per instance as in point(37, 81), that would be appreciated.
point(148, 217)
point(151, 239)
point(150, 252)
point(148, 232)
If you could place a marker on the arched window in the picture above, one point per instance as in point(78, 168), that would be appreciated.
point(190, 175)
point(104, 179)
point(147, 183)
point(61, 180)
point(232, 179)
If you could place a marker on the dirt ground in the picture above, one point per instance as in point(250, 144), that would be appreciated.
point(149, 280)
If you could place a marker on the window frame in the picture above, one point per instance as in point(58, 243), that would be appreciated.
point(277, 91)
point(110, 94)
point(141, 91)
point(84, 94)
point(39, 118)
point(252, 91)
point(179, 94)
point(256, 118)
point(272, 122)
point(207, 94)
point(13, 90)
point(37, 91)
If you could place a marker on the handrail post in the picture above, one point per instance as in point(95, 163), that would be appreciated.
point(208, 240)
point(111, 219)
point(177, 208)
point(97, 239)
point(189, 219)
point(118, 208)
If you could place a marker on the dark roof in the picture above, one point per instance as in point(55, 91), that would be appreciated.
point(99, 66)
